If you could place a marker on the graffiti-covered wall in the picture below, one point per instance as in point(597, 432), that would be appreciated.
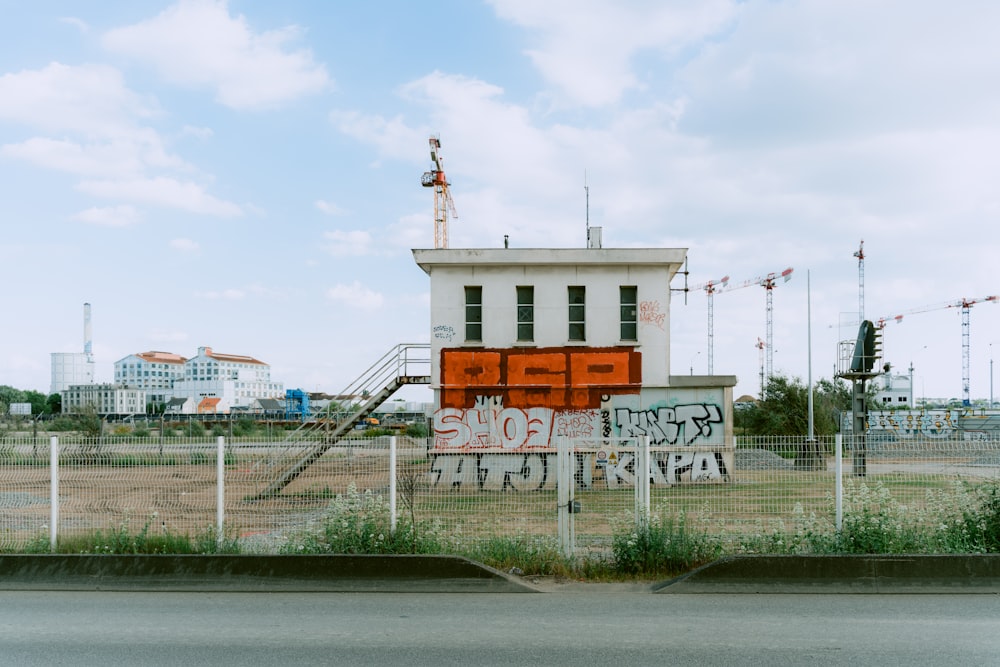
point(501, 411)
point(963, 423)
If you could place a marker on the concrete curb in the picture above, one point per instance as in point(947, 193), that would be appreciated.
point(914, 574)
point(253, 573)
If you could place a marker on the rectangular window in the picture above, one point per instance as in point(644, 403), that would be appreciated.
point(474, 314)
point(526, 313)
point(629, 312)
point(577, 312)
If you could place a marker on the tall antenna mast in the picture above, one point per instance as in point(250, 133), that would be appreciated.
point(586, 189)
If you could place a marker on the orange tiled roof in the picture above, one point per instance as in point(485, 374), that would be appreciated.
point(162, 357)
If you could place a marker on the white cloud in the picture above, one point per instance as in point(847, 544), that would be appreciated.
point(162, 191)
point(110, 216)
point(184, 245)
point(89, 99)
point(231, 294)
point(355, 296)
point(79, 24)
point(393, 137)
point(586, 47)
point(197, 43)
point(329, 207)
point(348, 243)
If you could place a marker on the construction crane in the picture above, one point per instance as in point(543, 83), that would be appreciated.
point(443, 203)
point(768, 282)
point(966, 306)
point(711, 287)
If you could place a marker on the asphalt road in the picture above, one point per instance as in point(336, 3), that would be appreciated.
point(599, 626)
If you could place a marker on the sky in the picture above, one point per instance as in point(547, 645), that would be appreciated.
point(245, 175)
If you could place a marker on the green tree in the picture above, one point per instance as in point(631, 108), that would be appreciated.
point(9, 395)
point(784, 410)
point(39, 402)
point(54, 404)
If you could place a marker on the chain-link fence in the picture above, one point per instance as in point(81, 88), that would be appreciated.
point(270, 491)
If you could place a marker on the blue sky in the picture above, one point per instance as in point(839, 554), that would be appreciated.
point(245, 175)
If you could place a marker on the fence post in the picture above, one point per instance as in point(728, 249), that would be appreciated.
point(564, 496)
point(392, 484)
point(220, 498)
point(838, 484)
point(642, 476)
point(54, 492)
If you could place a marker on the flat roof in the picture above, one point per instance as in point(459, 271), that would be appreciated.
point(432, 257)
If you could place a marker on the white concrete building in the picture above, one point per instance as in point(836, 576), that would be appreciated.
point(104, 398)
point(895, 392)
point(531, 344)
point(71, 368)
point(236, 380)
point(153, 371)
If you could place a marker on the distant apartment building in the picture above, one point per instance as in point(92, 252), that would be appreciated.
point(105, 399)
point(236, 380)
point(153, 371)
point(210, 382)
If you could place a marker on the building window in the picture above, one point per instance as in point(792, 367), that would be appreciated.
point(629, 312)
point(526, 313)
point(474, 314)
point(577, 311)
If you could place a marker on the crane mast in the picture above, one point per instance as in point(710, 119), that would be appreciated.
point(768, 282)
point(966, 306)
point(443, 203)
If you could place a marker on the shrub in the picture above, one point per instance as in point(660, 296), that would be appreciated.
point(662, 546)
point(359, 523)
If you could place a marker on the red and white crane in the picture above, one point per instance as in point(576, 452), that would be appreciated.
point(711, 287)
point(966, 306)
point(768, 282)
point(443, 203)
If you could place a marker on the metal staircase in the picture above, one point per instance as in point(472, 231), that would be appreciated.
point(407, 363)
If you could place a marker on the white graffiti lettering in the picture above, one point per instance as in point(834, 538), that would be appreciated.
point(665, 425)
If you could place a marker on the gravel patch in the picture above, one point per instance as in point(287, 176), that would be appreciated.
point(761, 459)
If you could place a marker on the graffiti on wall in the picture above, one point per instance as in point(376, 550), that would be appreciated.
point(665, 425)
point(444, 332)
point(491, 425)
point(967, 424)
point(535, 472)
point(649, 313)
point(557, 378)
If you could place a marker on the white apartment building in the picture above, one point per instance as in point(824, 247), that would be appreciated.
point(153, 371)
point(104, 398)
point(235, 379)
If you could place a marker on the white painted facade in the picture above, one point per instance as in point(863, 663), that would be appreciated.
point(153, 371)
point(895, 392)
point(104, 398)
point(601, 272)
point(71, 368)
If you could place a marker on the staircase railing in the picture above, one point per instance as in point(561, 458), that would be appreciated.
point(407, 363)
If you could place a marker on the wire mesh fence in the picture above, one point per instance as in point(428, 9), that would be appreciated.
point(739, 492)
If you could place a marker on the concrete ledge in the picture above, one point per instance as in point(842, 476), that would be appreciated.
point(842, 574)
point(321, 573)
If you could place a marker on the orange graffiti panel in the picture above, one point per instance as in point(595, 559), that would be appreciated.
point(545, 368)
point(470, 368)
point(602, 368)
